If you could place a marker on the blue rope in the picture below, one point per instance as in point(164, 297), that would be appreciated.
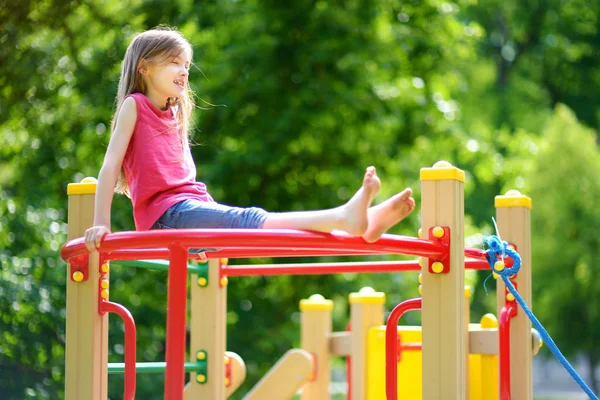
point(498, 249)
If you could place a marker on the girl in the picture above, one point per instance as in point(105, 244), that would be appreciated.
point(149, 160)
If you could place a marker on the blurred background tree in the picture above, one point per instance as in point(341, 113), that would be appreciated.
point(295, 100)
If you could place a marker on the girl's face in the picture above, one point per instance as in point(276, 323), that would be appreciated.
point(168, 79)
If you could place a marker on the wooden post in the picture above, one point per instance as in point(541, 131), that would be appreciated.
point(443, 317)
point(513, 214)
point(208, 333)
point(366, 311)
point(86, 353)
point(467, 340)
point(314, 338)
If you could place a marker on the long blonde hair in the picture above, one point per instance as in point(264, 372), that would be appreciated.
point(152, 47)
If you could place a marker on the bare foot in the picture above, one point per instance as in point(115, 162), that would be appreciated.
point(387, 214)
point(354, 216)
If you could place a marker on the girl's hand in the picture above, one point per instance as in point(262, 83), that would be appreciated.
point(94, 235)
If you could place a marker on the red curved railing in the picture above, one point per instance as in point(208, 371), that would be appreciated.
point(507, 312)
point(391, 345)
point(174, 245)
point(266, 239)
point(130, 345)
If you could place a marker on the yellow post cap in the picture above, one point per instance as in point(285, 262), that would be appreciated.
point(489, 321)
point(367, 295)
point(87, 186)
point(316, 302)
point(512, 198)
point(468, 292)
point(441, 171)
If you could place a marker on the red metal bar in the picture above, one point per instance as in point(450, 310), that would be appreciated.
point(130, 345)
point(232, 252)
point(477, 254)
point(176, 309)
point(391, 345)
point(277, 239)
point(507, 312)
point(320, 268)
point(257, 252)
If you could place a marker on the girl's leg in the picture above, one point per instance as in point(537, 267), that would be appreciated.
point(351, 217)
point(355, 217)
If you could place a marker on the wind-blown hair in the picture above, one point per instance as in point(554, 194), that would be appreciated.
point(154, 47)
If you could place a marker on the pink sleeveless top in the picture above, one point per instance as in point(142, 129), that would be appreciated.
point(160, 173)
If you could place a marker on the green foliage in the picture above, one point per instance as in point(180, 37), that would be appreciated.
point(564, 181)
point(294, 100)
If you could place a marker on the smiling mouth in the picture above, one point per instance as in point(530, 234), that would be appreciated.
point(178, 83)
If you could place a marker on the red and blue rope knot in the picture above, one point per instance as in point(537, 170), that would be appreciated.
point(497, 250)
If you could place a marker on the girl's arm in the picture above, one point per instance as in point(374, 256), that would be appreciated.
point(110, 171)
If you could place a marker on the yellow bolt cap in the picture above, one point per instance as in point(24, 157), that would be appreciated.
point(227, 382)
point(495, 275)
point(202, 281)
point(420, 233)
point(201, 356)
point(420, 278)
point(224, 281)
point(78, 276)
point(227, 360)
point(201, 378)
point(104, 294)
point(437, 267)
point(510, 297)
point(104, 283)
point(421, 290)
point(499, 265)
point(224, 261)
point(438, 232)
point(104, 268)
point(421, 262)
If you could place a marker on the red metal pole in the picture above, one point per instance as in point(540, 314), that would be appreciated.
point(507, 312)
point(391, 345)
point(176, 309)
point(130, 345)
point(321, 268)
point(305, 242)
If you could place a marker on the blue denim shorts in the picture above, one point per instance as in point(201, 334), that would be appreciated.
point(196, 214)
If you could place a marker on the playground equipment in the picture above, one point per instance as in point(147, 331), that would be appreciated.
point(444, 342)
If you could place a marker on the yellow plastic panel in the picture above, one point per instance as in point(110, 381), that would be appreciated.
point(483, 385)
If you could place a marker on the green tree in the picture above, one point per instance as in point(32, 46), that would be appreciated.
point(563, 181)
